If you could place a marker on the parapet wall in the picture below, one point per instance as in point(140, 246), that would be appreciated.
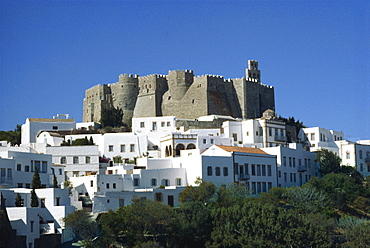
point(181, 94)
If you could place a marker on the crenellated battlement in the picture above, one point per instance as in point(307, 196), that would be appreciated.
point(180, 93)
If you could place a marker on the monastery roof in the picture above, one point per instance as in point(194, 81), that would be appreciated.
point(242, 149)
point(49, 120)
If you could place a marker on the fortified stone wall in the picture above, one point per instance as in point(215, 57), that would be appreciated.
point(182, 95)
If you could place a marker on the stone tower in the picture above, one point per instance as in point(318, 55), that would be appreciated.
point(149, 100)
point(124, 95)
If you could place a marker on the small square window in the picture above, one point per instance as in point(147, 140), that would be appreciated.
point(123, 148)
point(178, 181)
point(168, 124)
point(136, 182)
point(19, 167)
point(163, 124)
point(142, 124)
point(110, 148)
point(154, 182)
point(132, 148)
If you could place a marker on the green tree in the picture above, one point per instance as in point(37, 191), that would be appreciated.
point(36, 181)
point(202, 193)
point(18, 201)
point(191, 225)
point(83, 227)
point(34, 199)
point(137, 223)
point(111, 117)
point(117, 159)
point(339, 187)
point(12, 136)
point(307, 199)
point(329, 161)
point(258, 224)
point(55, 182)
point(82, 142)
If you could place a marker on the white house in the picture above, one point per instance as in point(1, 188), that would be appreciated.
point(33, 126)
point(39, 223)
point(17, 168)
point(295, 165)
point(262, 132)
point(321, 138)
point(356, 155)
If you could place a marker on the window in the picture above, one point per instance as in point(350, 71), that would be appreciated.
point(75, 160)
point(291, 177)
point(247, 134)
point(37, 165)
point(9, 173)
point(313, 136)
point(178, 181)
point(309, 163)
point(132, 148)
point(91, 183)
point(110, 148)
point(55, 127)
point(299, 162)
point(28, 186)
point(165, 182)
point(348, 156)
point(26, 168)
point(284, 161)
point(142, 124)
point(154, 182)
point(31, 226)
point(264, 187)
point(246, 169)
point(123, 148)
point(20, 185)
point(57, 202)
point(19, 167)
point(253, 187)
point(154, 126)
point(136, 182)
point(60, 171)
point(218, 171)
point(44, 167)
point(168, 124)
point(209, 171)
point(107, 185)
point(204, 141)
point(121, 202)
point(285, 177)
point(360, 154)
point(212, 141)
point(293, 162)
point(279, 173)
point(63, 160)
point(290, 161)
point(163, 124)
point(258, 170)
point(253, 170)
point(158, 197)
point(361, 167)
point(269, 171)
point(114, 185)
point(42, 202)
point(75, 173)
point(269, 185)
point(235, 137)
point(226, 171)
point(263, 170)
point(270, 131)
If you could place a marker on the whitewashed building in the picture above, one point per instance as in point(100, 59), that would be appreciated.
point(33, 126)
point(37, 223)
point(295, 166)
point(321, 138)
point(356, 155)
point(262, 132)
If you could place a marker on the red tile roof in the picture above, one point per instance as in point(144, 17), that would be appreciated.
point(241, 149)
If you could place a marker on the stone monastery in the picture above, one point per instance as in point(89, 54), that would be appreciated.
point(181, 94)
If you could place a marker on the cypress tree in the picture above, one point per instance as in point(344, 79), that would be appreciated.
point(18, 201)
point(34, 199)
point(55, 182)
point(36, 181)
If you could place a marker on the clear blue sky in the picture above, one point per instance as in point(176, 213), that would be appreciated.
point(315, 53)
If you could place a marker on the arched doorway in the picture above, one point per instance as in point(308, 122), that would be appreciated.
point(179, 147)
